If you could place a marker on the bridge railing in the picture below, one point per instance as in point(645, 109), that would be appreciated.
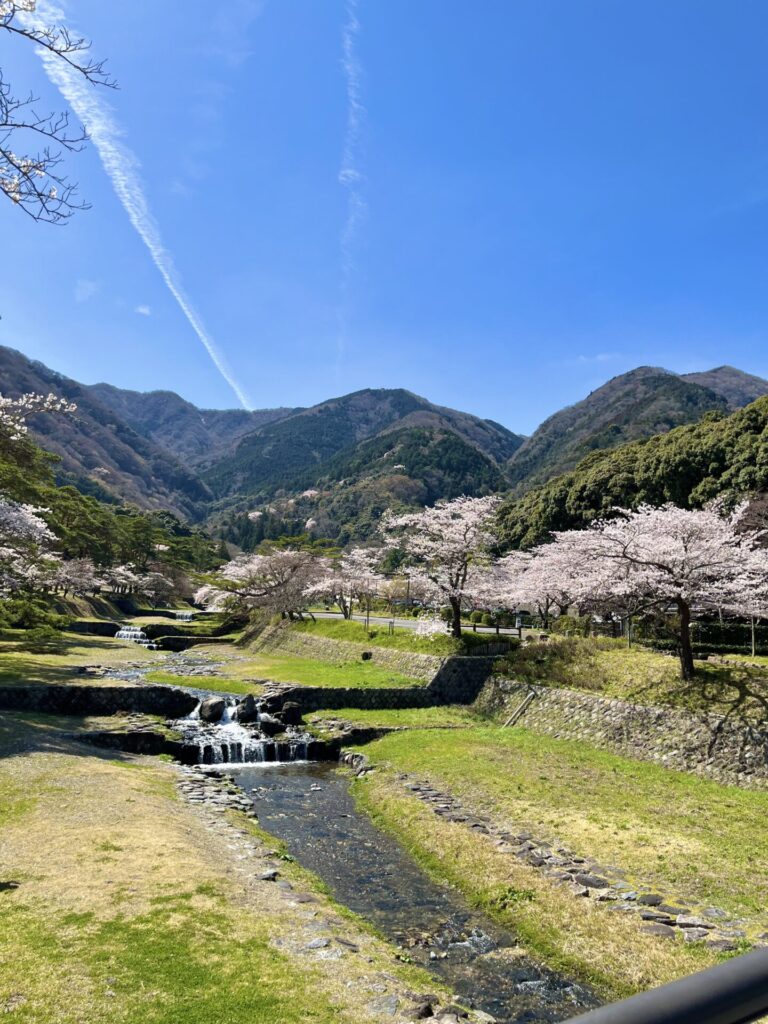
point(734, 992)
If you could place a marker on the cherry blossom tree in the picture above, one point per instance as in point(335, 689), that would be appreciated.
point(15, 411)
point(351, 577)
point(25, 541)
point(689, 561)
point(78, 576)
point(276, 582)
point(447, 548)
point(32, 180)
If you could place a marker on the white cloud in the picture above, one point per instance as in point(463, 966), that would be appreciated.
point(143, 310)
point(85, 289)
point(351, 176)
point(122, 168)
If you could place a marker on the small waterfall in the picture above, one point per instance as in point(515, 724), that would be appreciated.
point(137, 636)
point(184, 616)
point(229, 742)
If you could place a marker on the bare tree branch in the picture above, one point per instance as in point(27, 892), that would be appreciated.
point(32, 179)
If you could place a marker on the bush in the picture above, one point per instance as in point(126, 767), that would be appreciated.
point(28, 613)
point(476, 617)
point(446, 614)
point(568, 625)
point(488, 619)
point(43, 640)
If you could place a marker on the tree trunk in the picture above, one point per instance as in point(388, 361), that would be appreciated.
point(754, 645)
point(687, 669)
point(456, 624)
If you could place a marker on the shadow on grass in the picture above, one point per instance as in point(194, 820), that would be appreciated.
point(34, 732)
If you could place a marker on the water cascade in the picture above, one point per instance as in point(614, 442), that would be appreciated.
point(228, 741)
point(184, 616)
point(137, 636)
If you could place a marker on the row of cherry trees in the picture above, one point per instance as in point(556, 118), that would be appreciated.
point(677, 562)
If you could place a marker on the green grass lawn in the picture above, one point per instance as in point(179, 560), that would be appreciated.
point(20, 666)
point(695, 838)
point(379, 636)
point(640, 675)
point(245, 674)
point(411, 718)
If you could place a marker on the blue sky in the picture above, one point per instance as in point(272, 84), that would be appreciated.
point(550, 192)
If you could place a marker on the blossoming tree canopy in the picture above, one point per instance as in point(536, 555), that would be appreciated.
point(352, 577)
point(687, 560)
point(276, 582)
point(447, 548)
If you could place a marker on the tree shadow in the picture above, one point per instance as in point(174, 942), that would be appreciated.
point(35, 732)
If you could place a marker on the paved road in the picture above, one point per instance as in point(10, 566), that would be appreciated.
point(406, 623)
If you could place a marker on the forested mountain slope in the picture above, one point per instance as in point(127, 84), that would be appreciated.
point(100, 453)
point(199, 435)
point(296, 450)
point(691, 465)
point(641, 403)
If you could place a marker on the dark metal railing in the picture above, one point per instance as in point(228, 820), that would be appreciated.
point(734, 992)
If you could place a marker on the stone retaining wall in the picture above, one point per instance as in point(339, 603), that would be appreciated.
point(710, 745)
point(98, 700)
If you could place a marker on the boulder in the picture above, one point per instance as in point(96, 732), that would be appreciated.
point(212, 708)
point(291, 713)
point(270, 725)
point(247, 709)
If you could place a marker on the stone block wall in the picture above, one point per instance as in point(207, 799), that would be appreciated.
point(709, 745)
point(97, 700)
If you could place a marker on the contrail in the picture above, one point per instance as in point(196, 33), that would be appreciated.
point(350, 175)
point(122, 167)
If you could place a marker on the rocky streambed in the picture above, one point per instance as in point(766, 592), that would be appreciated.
point(309, 807)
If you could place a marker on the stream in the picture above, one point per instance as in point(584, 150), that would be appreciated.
point(310, 808)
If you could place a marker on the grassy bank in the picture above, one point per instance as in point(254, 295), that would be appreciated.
point(401, 639)
point(20, 665)
point(408, 718)
point(608, 667)
point(692, 837)
point(285, 668)
point(578, 937)
point(119, 906)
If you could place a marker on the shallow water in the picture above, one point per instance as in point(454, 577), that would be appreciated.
point(310, 808)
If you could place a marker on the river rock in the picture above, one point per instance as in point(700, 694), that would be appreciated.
point(270, 725)
point(659, 929)
point(291, 713)
point(247, 709)
point(593, 881)
point(695, 934)
point(421, 1011)
point(212, 708)
point(386, 1005)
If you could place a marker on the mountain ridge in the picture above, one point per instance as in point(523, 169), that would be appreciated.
point(357, 451)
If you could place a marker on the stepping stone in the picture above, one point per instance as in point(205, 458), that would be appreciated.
point(663, 930)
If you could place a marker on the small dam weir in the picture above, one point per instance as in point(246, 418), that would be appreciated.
point(225, 731)
point(137, 636)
